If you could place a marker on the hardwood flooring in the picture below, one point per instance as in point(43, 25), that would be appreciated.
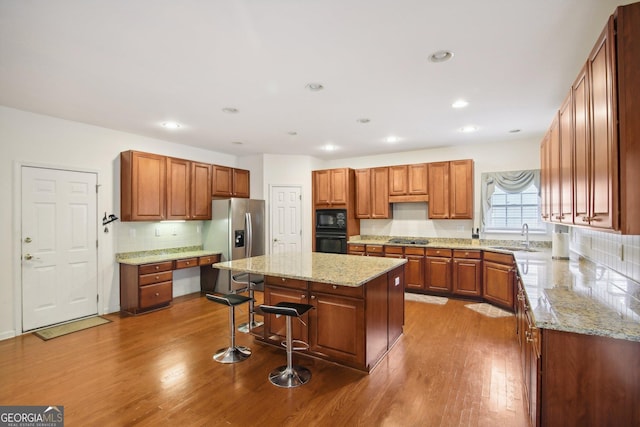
point(452, 367)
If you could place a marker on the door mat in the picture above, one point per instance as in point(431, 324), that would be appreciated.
point(488, 310)
point(67, 328)
point(425, 298)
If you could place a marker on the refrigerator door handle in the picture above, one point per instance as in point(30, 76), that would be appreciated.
point(249, 228)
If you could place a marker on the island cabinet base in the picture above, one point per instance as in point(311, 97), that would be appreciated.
point(352, 326)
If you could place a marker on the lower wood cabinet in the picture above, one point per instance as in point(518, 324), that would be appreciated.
point(145, 287)
point(415, 268)
point(339, 328)
point(467, 273)
point(438, 270)
point(498, 279)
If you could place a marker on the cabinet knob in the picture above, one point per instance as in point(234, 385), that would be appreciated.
point(157, 267)
point(157, 294)
point(157, 277)
point(187, 263)
point(334, 287)
point(313, 297)
point(303, 296)
point(284, 280)
point(466, 254)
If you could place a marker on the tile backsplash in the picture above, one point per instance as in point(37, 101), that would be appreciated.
point(144, 236)
point(619, 253)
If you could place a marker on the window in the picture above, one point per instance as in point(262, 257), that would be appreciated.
point(510, 199)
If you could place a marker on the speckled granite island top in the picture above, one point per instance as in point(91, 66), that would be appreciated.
point(577, 295)
point(345, 270)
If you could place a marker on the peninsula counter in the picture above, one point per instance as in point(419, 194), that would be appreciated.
point(358, 301)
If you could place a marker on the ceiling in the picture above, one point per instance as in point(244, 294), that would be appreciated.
point(133, 65)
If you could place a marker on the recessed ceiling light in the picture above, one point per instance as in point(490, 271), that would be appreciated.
point(441, 56)
point(514, 131)
point(237, 142)
point(314, 87)
point(392, 139)
point(460, 103)
point(171, 125)
point(468, 129)
point(230, 110)
point(329, 147)
point(363, 120)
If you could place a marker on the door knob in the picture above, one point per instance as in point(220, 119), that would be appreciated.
point(29, 257)
point(27, 240)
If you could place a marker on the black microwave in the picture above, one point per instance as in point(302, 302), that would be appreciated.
point(331, 219)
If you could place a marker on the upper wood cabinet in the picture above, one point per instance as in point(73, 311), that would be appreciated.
point(408, 183)
point(372, 193)
point(155, 188)
point(604, 130)
point(331, 187)
point(567, 144)
point(230, 182)
point(451, 190)
point(142, 186)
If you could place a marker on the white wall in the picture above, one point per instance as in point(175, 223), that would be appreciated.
point(42, 140)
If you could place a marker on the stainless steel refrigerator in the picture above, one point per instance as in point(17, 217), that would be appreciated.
point(236, 230)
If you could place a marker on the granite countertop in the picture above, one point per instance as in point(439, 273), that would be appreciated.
point(344, 270)
point(148, 257)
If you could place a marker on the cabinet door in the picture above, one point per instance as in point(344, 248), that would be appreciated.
point(240, 183)
point(604, 139)
point(397, 180)
point(554, 170)
point(417, 179)
point(342, 335)
point(222, 181)
point(146, 193)
point(363, 193)
point(321, 190)
point(467, 277)
point(566, 160)
point(438, 274)
point(200, 191)
point(461, 189)
point(498, 284)
point(415, 272)
point(380, 207)
point(275, 327)
point(178, 188)
point(581, 147)
point(339, 183)
point(396, 304)
point(438, 190)
point(545, 182)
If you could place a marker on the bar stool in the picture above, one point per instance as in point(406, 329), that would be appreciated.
point(289, 376)
point(245, 279)
point(234, 353)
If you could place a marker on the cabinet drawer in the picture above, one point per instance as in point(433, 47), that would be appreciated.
point(498, 257)
point(158, 294)
point(208, 260)
point(375, 249)
point(348, 291)
point(154, 268)
point(356, 247)
point(186, 263)
point(414, 251)
point(147, 279)
point(393, 250)
point(471, 254)
point(439, 252)
point(285, 282)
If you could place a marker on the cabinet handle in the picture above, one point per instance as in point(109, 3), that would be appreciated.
point(585, 219)
point(528, 335)
point(593, 218)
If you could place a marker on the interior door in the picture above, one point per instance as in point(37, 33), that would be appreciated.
point(286, 217)
point(59, 254)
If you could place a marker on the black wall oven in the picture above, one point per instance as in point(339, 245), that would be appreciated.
point(331, 231)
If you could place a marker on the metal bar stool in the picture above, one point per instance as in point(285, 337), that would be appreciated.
point(244, 279)
point(289, 376)
point(234, 353)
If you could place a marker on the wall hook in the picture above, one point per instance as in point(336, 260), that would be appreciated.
point(107, 220)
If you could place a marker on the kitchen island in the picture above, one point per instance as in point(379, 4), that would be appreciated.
point(358, 301)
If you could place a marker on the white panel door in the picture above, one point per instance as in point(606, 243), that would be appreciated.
point(59, 254)
point(286, 219)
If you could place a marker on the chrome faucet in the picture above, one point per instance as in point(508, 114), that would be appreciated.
point(525, 233)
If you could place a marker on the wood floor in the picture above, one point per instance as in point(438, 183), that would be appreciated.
point(452, 367)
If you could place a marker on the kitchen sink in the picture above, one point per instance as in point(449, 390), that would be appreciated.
point(514, 248)
point(401, 241)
